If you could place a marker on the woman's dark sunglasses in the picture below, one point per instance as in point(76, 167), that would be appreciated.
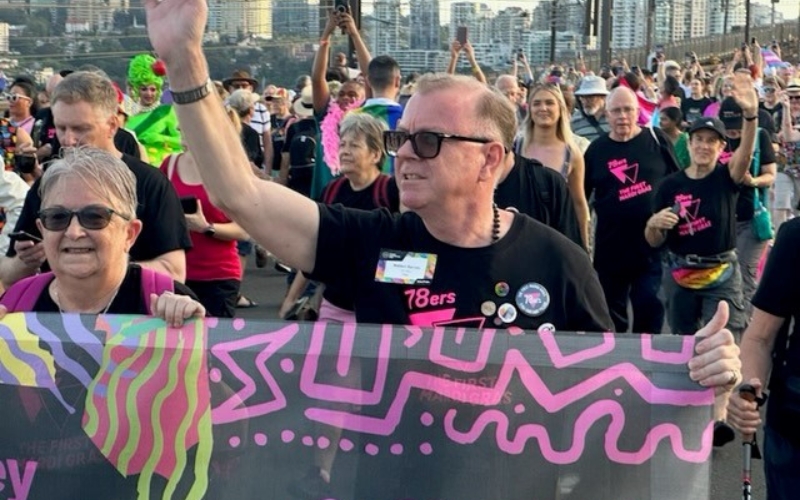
point(426, 144)
point(90, 217)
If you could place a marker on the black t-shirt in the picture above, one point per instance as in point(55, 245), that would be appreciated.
point(363, 199)
point(163, 223)
point(129, 299)
point(533, 267)
point(775, 113)
point(693, 109)
point(745, 208)
point(341, 294)
point(278, 127)
point(541, 193)
point(707, 216)
point(301, 156)
point(252, 145)
point(779, 295)
point(623, 177)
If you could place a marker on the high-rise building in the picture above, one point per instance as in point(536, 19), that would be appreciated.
point(716, 15)
point(4, 33)
point(629, 26)
point(240, 18)
point(570, 15)
point(477, 17)
point(298, 18)
point(509, 27)
point(386, 28)
point(257, 18)
point(93, 15)
point(424, 25)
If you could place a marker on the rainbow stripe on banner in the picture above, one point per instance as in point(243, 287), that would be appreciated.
point(150, 402)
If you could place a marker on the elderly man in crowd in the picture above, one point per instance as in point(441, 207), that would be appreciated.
point(589, 118)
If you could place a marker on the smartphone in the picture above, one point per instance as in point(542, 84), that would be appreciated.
point(753, 41)
point(23, 236)
point(189, 204)
point(341, 6)
point(24, 164)
point(635, 69)
point(676, 208)
point(744, 46)
point(461, 35)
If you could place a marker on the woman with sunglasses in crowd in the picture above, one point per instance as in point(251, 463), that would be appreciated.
point(22, 107)
point(547, 137)
point(772, 90)
point(88, 225)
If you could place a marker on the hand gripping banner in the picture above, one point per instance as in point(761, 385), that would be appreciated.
point(122, 407)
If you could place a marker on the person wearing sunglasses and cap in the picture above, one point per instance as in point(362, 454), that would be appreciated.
point(84, 110)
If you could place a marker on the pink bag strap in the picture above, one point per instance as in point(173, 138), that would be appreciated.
point(22, 295)
point(155, 282)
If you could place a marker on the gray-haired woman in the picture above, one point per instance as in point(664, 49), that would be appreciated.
point(88, 224)
point(361, 185)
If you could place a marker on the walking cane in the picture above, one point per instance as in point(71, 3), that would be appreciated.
point(748, 393)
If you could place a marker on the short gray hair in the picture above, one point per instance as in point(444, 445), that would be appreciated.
point(494, 113)
point(100, 171)
point(368, 127)
point(88, 87)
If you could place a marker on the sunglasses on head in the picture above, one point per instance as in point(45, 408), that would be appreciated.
point(92, 217)
point(16, 97)
point(425, 144)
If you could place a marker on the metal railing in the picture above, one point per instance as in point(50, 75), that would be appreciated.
point(721, 46)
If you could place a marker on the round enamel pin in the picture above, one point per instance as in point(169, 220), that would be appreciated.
point(547, 328)
point(507, 313)
point(502, 289)
point(533, 299)
point(488, 308)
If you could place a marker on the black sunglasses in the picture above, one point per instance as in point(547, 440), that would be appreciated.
point(89, 217)
point(426, 144)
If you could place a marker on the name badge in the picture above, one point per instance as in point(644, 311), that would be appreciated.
point(405, 268)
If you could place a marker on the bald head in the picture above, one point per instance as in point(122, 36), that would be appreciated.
point(508, 86)
point(622, 107)
point(52, 82)
point(621, 96)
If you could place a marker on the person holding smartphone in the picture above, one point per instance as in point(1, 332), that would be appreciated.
point(213, 267)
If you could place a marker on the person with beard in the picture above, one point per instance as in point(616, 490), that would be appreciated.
point(589, 118)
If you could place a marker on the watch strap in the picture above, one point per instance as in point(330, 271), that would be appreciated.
point(193, 95)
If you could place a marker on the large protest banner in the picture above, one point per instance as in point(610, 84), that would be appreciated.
point(121, 407)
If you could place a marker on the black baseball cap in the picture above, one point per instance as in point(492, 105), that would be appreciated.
point(731, 114)
point(708, 123)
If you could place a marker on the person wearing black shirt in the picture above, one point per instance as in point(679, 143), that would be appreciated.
point(530, 188)
point(695, 216)
point(766, 355)
point(695, 105)
point(749, 249)
point(84, 107)
point(623, 169)
point(454, 259)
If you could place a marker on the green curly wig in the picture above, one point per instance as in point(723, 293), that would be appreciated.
point(140, 73)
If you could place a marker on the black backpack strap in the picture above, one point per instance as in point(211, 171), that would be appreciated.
point(332, 191)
